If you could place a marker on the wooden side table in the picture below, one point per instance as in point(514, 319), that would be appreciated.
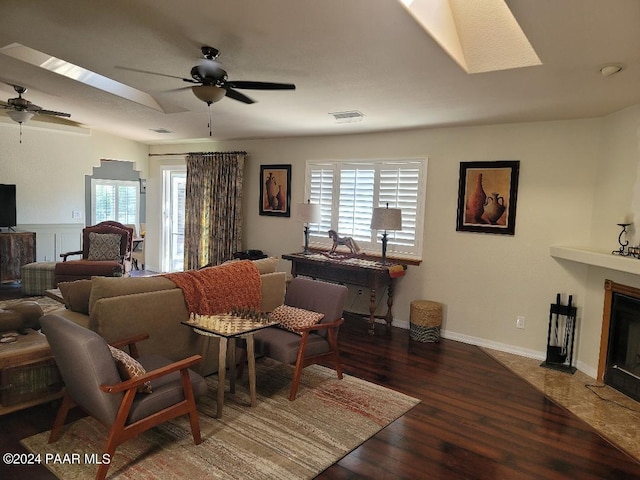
point(28, 373)
point(228, 327)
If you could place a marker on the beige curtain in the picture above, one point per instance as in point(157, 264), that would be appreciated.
point(213, 208)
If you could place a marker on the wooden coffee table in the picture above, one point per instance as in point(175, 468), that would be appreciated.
point(227, 327)
point(28, 373)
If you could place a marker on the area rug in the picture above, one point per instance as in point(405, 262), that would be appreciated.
point(277, 439)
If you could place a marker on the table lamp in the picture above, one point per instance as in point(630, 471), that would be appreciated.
point(385, 218)
point(308, 213)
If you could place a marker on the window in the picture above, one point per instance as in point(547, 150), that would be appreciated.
point(347, 192)
point(115, 200)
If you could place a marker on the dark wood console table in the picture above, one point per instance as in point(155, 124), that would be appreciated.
point(16, 249)
point(353, 271)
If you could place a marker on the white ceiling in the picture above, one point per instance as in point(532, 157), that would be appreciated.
point(365, 55)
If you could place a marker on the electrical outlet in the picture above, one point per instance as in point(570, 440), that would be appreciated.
point(520, 322)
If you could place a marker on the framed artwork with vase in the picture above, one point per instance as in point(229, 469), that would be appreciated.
point(275, 190)
point(487, 194)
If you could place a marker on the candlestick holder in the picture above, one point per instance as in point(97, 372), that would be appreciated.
point(623, 245)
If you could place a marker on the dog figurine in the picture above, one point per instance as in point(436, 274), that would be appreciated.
point(349, 242)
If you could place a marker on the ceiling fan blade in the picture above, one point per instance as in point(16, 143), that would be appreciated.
point(155, 73)
point(261, 85)
point(179, 89)
point(241, 97)
point(54, 113)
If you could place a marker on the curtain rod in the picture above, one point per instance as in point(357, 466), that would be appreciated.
point(191, 153)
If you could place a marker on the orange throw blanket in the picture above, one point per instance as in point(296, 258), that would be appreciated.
point(219, 289)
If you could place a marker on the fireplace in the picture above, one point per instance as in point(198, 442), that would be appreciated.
point(619, 363)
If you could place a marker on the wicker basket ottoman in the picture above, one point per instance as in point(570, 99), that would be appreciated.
point(425, 321)
point(38, 277)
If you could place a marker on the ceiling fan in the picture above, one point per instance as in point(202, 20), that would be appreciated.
point(21, 110)
point(212, 83)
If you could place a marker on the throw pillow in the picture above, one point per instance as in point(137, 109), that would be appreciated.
point(76, 295)
point(129, 368)
point(104, 246)
point(291, 318)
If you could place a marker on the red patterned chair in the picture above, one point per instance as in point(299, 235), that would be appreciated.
point(106, 252)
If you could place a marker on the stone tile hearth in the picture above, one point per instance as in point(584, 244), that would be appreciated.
point(612, 414)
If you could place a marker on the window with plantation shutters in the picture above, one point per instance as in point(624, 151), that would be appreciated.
point(348, 191)
point(114, 200)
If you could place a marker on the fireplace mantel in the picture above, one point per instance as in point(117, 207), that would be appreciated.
point(596, 258)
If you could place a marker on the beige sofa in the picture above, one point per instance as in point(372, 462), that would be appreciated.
point(117, 308)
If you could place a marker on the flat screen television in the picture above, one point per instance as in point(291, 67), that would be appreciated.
point(7, 205)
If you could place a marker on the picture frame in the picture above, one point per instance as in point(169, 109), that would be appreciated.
point(275, 190)
point(487, 195)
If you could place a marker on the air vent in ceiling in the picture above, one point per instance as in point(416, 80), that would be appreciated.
point(160, 130)
point(348, 117)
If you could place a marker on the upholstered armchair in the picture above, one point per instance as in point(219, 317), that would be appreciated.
point(126, 397)
point(106, 251)
point(310, 343)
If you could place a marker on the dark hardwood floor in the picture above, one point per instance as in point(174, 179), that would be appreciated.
point(476, 419)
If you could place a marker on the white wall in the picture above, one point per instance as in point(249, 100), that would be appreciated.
point(616, 195)
point(49, 169)
point(577, 178)
point(485, 281)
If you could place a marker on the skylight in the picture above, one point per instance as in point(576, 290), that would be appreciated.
point(69, 70)
point(481, 36)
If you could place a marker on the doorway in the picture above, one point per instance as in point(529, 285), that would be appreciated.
point(174, 181)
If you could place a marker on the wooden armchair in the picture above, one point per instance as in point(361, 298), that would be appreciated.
point(98, 389)
point(313, 343)
point(99, 259)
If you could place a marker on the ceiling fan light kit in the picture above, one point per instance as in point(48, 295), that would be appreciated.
point(20, 116)
point(209, 93)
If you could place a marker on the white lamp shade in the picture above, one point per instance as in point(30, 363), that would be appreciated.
point(209, 93)
point(308, 213)
point(20, 116)
point(386, 219)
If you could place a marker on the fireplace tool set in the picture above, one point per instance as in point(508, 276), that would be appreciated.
point(561, 335)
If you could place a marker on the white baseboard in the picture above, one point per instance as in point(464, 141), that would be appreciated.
point(502, 347)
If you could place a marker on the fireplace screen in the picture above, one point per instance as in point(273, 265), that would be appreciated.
point(623, 353)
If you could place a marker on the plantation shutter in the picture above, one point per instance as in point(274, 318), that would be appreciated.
point(127, 204)
point(347, 192)
point(105, 202)
point(356, 203)
point(115, 200)
point(399, 187)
